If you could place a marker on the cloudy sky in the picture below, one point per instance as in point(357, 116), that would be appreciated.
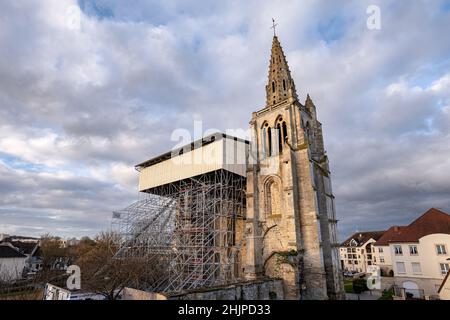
point(88, 89)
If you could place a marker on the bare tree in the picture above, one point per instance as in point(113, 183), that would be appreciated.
point(51, 250)
point(104, 274)
point(101, 271)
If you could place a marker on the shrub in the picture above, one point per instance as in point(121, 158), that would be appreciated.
point(348, 286)
point(387, 295)
point(359, 286)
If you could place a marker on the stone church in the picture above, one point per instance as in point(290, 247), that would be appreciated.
point(268, 218)
point(290, 203)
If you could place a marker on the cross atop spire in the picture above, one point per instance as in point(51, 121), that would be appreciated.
point(273, 27)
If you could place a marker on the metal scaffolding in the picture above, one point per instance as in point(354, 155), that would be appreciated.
point(190, 228)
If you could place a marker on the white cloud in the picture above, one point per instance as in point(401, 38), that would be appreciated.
point(89, 103)
point(441, 85)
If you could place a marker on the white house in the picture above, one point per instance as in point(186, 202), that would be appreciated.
point(382, 251)
point(12, 263)
point(28, 247)
point(356, 253)
point(417, 254)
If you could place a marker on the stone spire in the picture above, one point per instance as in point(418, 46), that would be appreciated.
point(309, 104)
point(280, 87)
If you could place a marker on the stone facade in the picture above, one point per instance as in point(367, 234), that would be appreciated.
point(262, 289)
point(291, 223)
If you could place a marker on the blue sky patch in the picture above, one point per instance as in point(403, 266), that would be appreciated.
point(332, 29)
point(17, 163)
point(93, 8)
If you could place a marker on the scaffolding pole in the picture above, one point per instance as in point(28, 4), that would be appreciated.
point(189, 228)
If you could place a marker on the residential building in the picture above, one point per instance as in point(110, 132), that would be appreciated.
point(29, 248)
point(72, 242)
point(12, 263)
point(382, 251)
point(356, 253)
point(65, 243)
point(418, 253)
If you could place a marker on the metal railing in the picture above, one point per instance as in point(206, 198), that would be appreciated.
point(408, 294)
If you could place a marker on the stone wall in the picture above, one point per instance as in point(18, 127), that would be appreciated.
point(133, 294)
point(266, 289)
point(430, 287)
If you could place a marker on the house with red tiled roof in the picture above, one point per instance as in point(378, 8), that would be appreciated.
point(356, 252)
point(382, 252)
point(417, 255)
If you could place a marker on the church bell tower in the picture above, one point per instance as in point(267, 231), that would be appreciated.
point(291, 223)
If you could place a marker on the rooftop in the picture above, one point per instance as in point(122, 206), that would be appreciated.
point(361, 238)
point(190, 146)
point(213, 153)
point(431, 222)
point(7, 251)
point(24, 247)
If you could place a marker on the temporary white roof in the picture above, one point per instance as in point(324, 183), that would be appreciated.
point(214, 152)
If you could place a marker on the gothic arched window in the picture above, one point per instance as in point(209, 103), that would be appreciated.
point(280, 142)
point(281, 132)
point(263, 141)
point(284, 84)
point(273, 86)
point(285, 135)
point(308, 133)
point(272, 196)
point(269, 138)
